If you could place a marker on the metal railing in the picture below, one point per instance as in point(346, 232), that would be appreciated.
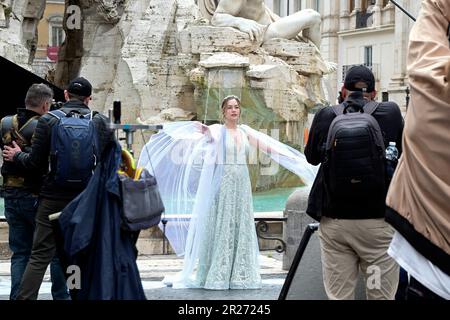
point(262, 228)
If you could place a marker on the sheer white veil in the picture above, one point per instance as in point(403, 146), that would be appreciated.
point(185, 163)
point(286, 156)
point(188, 165)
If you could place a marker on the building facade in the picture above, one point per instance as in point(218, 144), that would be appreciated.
point(370, 32)
point(50, 37)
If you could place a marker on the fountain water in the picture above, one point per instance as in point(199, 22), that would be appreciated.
point(218, 82)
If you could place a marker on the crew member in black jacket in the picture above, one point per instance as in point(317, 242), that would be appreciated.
point(20, 190)
point(54, 197)
point(353, 234)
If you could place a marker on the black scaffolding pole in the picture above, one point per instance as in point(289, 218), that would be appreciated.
point(404, 10)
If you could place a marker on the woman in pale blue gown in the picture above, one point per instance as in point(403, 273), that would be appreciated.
point(204, 182)
point(228, 258)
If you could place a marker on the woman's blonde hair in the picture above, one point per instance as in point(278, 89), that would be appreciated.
point(228, 98)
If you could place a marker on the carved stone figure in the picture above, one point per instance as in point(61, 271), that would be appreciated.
point(261, 24)
point(18, 29)
point(3, 5)
point(168, 115)
point(111, 11)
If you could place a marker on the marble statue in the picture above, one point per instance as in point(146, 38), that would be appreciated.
point(261, 24)
point(3, 5)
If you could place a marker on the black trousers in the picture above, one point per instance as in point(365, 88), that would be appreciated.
point(43, 250)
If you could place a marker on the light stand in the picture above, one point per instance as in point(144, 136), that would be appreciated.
point(129, 129)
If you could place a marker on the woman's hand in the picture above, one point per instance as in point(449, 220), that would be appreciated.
point(204, 129)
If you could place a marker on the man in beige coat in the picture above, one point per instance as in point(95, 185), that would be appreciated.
point(419, 195)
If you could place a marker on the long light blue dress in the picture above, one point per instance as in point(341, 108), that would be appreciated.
point(228, 257)
point(218, 241)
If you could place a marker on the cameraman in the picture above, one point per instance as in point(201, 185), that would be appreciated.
point(21, 187)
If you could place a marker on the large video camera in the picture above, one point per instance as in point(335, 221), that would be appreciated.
point(56, 105)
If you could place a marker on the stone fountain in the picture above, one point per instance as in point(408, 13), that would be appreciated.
point(162, 57)
point(166, 62)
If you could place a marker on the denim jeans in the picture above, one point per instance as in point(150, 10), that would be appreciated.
point(44, 248)
point(20, 214)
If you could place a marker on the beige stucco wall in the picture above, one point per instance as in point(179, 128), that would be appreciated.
point(53, 8)
point(344, 44)
point(351, 51)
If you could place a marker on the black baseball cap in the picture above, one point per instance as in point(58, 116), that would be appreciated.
point(80, 86)
point(359, 74)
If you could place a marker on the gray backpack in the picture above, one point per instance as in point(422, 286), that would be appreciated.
point(354, 165)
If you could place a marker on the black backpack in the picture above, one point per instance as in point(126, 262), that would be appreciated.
point(354, 165)
point(73, 149)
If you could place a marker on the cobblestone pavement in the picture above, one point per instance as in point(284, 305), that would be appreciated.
point(153, 268)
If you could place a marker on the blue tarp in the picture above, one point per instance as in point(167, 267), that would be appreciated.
point(94, 240)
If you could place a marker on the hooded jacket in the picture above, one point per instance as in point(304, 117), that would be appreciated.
point(419, 195)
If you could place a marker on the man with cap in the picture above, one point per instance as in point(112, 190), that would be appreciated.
point(53, 197)
point(353, 236)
